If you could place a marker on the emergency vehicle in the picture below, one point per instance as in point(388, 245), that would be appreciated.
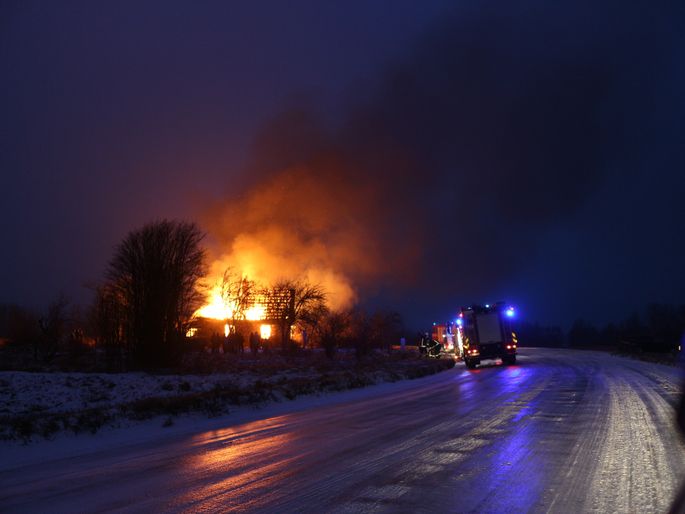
point(485, 332)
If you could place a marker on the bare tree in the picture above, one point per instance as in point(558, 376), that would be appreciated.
point(20, 326)
point(107, 318)
point(371, 331)
point(237, 291)
point(52, 327)
point(155, 273)
point(331, 329)
point(386, 329)
point(311, 321)
point(287, 302)
point(361, 333)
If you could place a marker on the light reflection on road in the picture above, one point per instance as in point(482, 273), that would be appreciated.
point(516, 467)
point(497, 439)
point(241, 465)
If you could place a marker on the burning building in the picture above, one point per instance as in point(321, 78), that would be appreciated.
point(269, 313)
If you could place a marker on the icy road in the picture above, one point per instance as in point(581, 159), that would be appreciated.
point(563, 431)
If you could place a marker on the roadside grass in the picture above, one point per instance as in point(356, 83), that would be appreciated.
point(669, 359)
point(274, 379)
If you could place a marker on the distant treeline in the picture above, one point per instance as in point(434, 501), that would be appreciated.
point(659, 329)
point(67, 338)
point(145, 307)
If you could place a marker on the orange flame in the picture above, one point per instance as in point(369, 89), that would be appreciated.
point(219, 308)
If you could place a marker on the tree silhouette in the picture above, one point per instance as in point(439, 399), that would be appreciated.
point(288, 301)
point(237, 292)
point(52, 326)
point(332, 331)
point(155, 273)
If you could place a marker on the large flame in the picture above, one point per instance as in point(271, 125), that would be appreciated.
point(216, 307)
point(219, 308)
point(256, 312)
point(294, 226)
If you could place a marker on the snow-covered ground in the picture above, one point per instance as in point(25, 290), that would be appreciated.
point(24, 393)
point(154, 431)
point(562, 431)
point(34, 405)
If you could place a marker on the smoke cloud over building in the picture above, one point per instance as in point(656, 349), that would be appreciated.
point(449, 169)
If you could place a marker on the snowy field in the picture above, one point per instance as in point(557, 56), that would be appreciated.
point(34, 405)
point(24, 392)
point(38, 405)
point(153, 431)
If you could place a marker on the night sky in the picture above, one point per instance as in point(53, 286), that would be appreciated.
point(531, 151)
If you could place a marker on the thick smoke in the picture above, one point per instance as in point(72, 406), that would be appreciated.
point(310, 216)
point(499, 123)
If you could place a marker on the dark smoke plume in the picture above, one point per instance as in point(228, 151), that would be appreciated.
point(499, 123)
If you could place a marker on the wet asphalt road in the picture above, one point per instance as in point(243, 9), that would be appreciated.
point(563, 431)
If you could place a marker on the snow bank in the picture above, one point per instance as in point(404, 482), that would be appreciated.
point(46, 403)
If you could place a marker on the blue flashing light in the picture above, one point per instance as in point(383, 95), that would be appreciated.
point(510, 312)
point(460, 322)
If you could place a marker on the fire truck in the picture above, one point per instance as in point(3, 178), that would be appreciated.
point(485, 332)
point(444, 333)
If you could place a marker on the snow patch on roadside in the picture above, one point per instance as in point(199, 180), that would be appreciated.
point(43, 404)
point(24, 392)
point(132, 433)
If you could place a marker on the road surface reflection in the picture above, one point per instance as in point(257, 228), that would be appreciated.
point(561, 431)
